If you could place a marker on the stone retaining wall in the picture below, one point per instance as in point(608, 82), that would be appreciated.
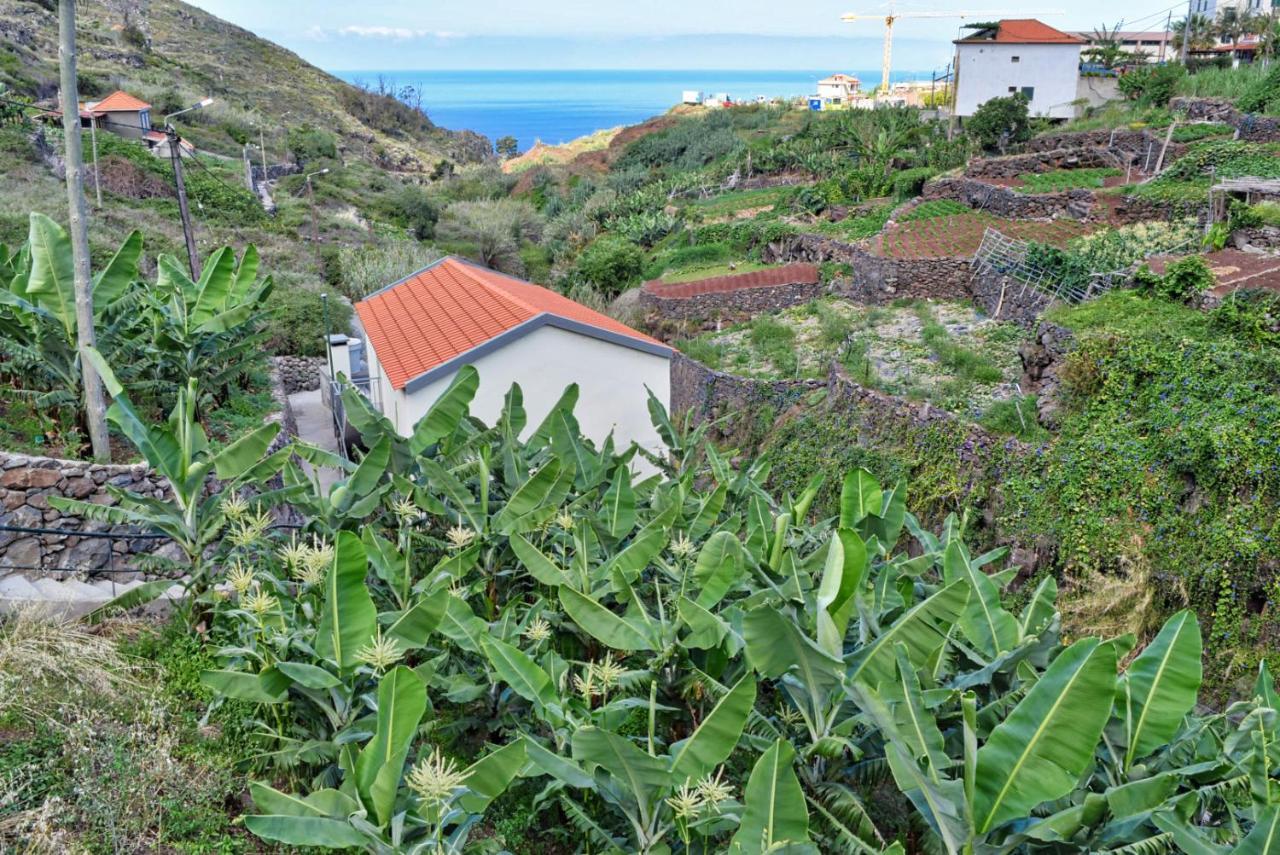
point(1260, 237)
point(704, 394)
point(1007, 299)
point(873, 279)
point(1009, 203)
point(1041, 160)
point(27, 482)
point(299, 373)
point(1207, 109)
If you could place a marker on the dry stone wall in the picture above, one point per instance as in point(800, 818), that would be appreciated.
point(1009, 203)
point(299, 373)
point(1011, 166)
point(873, 279)
point(27, 482)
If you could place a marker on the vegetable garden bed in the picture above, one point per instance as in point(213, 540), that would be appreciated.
point(959, 235)
point(946, 353)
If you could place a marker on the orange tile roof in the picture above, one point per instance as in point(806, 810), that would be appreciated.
point(446, 310)
point(1026, 31)
point(120, 102)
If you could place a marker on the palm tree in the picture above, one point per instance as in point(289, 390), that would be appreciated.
point(1106, 48)
point(1199, 34)
point(1231, 26)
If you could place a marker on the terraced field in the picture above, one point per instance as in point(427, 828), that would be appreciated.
point(959, 235)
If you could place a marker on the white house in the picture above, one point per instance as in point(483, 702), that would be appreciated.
point(838, 89)
point(1019, 55)
point(421, 330)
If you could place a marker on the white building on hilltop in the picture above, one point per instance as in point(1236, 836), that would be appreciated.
point(1019, 56)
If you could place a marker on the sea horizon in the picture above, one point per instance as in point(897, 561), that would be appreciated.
point(556, 106)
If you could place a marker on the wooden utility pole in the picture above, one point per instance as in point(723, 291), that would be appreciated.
point(175, 157)
point(1186, 34)
point(97, 176)
point(94, 404)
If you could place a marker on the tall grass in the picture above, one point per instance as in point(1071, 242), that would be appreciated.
point(1229, 83)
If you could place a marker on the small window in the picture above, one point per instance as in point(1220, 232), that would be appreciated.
point(1015, 59)
point(1013, 89)
point(1029, 92)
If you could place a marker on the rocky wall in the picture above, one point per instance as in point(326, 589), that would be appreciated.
point(1007, 299)
point(873, 279)
point(704, 394)
point(1259, 237)
point(27, 482)
point(1009, 203)
point(1048, 160)
point(299, 373)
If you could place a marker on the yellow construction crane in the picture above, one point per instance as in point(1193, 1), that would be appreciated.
point(894, 15)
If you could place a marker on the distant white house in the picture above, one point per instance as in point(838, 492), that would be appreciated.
point(1019, 56)
point(421, 330)
point(838, 90)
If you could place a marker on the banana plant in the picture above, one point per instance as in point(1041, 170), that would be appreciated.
point(657, 794)
point(37, 310)
point(1034, 755)
point(381, 809)
point(317, 645)
point(208, 328)
point(193, 517)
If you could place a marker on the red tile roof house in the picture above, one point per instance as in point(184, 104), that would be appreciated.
point(1019, 55)
point(421, 330)
point(121, 113)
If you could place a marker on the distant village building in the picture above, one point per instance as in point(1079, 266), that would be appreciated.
point(126, 116)
point(120, 113)
point(1019, 56)
point(421, 330)
point(838, 90)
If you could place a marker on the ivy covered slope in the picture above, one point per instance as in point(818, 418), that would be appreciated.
point(1158, 490)
point(483, 643)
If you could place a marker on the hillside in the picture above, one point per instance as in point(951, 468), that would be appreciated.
point(173, 54)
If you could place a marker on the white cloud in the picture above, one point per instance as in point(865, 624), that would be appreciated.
point(394, 33)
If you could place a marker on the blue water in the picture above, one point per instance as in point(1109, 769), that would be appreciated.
point(558, 106)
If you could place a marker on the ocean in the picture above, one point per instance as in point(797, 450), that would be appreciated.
point(558, 106)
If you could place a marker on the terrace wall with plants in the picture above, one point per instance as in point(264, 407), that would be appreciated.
point(726, 304)
point(1011, 166)
point(1008, 299)
point(27, 482)
point(1141, 143)
point(1009, 203)
point(873, 279)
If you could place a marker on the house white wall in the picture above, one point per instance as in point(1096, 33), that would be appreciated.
point(993, 70)
point(611, 380)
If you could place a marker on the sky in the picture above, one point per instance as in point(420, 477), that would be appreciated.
point(674, 34)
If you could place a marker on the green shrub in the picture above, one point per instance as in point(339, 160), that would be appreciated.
point(611, 264)
point(1262, 92)
point(413, 207)
point(1199, 131)
point(1251, 315)
point(934, 208)
point(1000, 122)
point(1066, 179)
point(307, 143)
point(1152, 84)
point(296, 326)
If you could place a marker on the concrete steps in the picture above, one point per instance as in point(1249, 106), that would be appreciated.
point(71, 598)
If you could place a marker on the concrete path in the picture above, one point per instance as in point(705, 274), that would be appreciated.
point(315, 425)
